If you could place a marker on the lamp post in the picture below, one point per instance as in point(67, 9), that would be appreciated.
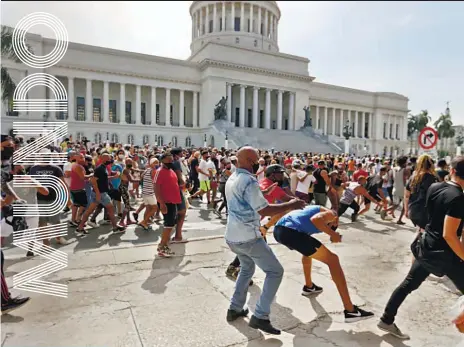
point(347, 134)
point(204, 142)
point(459, 142)
point(226, 142)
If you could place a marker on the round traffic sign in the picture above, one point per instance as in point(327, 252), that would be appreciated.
point(428, 138)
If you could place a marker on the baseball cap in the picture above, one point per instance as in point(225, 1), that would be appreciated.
point(275, 168)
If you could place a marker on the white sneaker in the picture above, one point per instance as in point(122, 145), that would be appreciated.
point(92, 224)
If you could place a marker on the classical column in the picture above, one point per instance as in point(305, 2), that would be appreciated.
point(195, 109)
point(251, 19)
point(88, 101)
point(291, 111)
point(255, 107)
point(71, 107)
point(223, 28)
point(201, 21)
point(369, 125)
point(207, 19)
point(122, 104)
point(268, 109)
point(334, 111)
point(138, 104)
point(214, 18)
point(181, 108)
point(266, 22)
point(404, 129)
point(153, 106)
point(242, 16)
point(326, 121)
point(259, 19)
point(242, 106)
point(341, 121)
point(229, 102)
point(232, 22)
point(363, 129)
point(276, 31)
point(193, 26)
point(356, 123)
point(274, 28)
point(316, 126)
point(279, 109)
point(271, 22)
point(168, 107)
point(106, 102)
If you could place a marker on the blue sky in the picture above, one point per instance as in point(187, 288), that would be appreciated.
point(412, 48)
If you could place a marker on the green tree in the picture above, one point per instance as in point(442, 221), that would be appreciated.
point(444, 126)
point(416, 123)
point(8, 85)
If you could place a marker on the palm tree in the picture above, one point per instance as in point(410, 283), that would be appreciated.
point(416, 123)
point(444, 126)
point(8, 85)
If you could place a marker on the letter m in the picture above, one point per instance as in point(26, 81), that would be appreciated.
point(46, 133)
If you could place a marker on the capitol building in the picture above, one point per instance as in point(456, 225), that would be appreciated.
point(136, 98)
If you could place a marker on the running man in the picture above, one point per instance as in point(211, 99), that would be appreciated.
point(295, 231)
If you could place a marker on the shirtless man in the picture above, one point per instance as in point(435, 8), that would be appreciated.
point(126, 178)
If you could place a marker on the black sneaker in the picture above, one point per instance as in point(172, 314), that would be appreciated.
point(357, 315)
point(233, 315)
point(136, 217)
point(29, 254)
point(354, 217)
point(311, 291)
point(73, 224)
point(264, 325)
point(13, 304)
point(66, 209)
point(119, 229)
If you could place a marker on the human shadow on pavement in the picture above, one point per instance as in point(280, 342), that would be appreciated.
point(9, 318)
point(164, 270)
point(340, 337)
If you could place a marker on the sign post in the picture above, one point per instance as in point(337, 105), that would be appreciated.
point(428, 139)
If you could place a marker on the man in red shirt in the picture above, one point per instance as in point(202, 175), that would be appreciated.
point(167, 193)
point(360, 172)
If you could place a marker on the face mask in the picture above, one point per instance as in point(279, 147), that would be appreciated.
point(157, 167)
point(255, 168)
point(129, 166)
point(121, 156)
point(7, 153)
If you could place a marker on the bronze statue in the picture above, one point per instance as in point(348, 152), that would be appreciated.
point(347, 131)
point(307, 120)
point(220, 111)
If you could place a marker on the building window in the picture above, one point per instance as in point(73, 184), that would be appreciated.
point(269, 47)
point(220, 24)
point(256, 43)
point(160, 141)
point(391, 131)
point(156, 140)
point(274, 124)
point(146, 139)
point(143, 113)
point(261, 119)
point(188, 142)
point(384, 130)
point(286, 124)
point(210, 26)
point(79, 136)
point(352, 129)
point(262, 29)
point(62, 115)
point(237, 117)
point(112, 112)
point(157, 113)
point(237, 40)
point(211, 141)
point(397, 131)
point(10, 111)
point(203, 29)
point(97, 110)
point(237, 24)
point(114, 138)
point(185, 114)
point(98, 138)
point(366, 130)
point(128, 112)
point(250, 118)
point(80, 108)
point(171, 117)
point(174, 141)
point(130, 139)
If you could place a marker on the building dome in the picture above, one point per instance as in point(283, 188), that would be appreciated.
point(247, 24)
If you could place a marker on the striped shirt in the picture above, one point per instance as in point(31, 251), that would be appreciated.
point(148, 188)
point(349, 195)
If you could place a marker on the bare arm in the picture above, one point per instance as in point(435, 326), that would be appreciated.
point(321, 221)
point(325, 176)
point(274, 209)
point(450, 235)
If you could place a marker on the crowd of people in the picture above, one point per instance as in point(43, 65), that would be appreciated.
point(302, 194)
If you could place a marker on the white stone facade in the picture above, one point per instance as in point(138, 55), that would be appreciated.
point(266, 88)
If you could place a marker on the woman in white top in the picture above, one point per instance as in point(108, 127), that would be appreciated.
point(262, 168)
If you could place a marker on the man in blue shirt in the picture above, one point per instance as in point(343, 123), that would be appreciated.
point(246, 204)
point(295, 231)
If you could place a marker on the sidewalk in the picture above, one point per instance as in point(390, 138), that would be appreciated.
point(123, 297)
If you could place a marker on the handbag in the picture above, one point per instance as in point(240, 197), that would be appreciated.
point(434, 261)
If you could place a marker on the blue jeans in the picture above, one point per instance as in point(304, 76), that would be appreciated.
point(250, 253)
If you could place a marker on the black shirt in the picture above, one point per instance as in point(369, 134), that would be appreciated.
point(319, 186)
point(443, 199)
point(101, 174)
point(193, 168)
point(418, 196)
point(51, 170)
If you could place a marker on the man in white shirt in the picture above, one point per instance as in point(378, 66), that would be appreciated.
point(67, 176)
point(305, 179)
point(204, 175)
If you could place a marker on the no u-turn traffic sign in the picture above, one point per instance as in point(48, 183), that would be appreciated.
point(428, 138)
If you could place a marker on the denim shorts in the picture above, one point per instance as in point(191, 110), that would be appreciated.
point(105, 199)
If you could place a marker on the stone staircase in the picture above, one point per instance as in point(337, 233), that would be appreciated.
point(303, 140)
